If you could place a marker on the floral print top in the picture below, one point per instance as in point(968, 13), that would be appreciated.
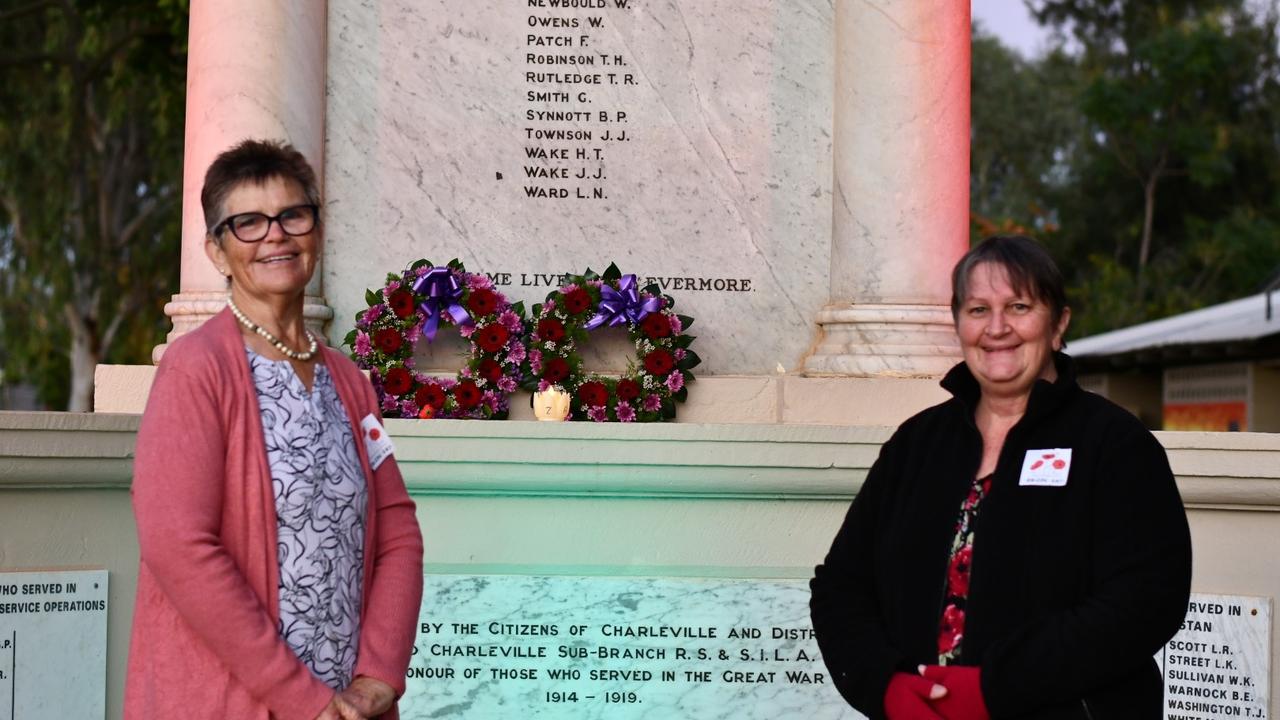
point(951, 625)
point(320, 497)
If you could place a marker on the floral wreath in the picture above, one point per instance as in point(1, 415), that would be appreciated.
point(412, 305)
point(652, 383)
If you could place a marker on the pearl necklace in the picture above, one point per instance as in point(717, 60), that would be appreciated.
point(277, 343)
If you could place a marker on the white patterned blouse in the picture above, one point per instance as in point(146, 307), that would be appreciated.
point(321, 499)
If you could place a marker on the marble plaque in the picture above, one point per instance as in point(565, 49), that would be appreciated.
point(687, 141)
point(504, 646)
point(53, 644)
point(1219, 663)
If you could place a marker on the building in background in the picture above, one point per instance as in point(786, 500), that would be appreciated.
point(18, 396)
point(1217, 368)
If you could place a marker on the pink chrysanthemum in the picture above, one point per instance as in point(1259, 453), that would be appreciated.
point(675, 381)
point(509, 320)
point(598, 413)
point(625, 412)
point(413, 334)
point(677, 327)
point(652, 403)
point(363, 347)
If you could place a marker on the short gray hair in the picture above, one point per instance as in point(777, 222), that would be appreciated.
point(254, 161)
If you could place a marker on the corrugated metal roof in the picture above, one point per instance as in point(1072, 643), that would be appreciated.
point(1239, 320)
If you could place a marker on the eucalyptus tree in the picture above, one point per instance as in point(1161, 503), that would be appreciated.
point(92, 96)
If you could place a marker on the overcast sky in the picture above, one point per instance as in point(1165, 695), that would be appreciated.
point(1010, 21)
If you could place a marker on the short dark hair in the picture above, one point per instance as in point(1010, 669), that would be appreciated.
point(1030, 269)
point(255, 161)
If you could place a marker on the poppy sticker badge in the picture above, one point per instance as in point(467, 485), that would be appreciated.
point(1046, 468)
point(377, 443)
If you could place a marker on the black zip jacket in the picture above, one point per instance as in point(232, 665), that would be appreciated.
point(1072, 589)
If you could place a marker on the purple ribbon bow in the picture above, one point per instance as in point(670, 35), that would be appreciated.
point(623, 305)
point(443, 293)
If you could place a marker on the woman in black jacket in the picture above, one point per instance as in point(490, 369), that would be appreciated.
point(1019, 551)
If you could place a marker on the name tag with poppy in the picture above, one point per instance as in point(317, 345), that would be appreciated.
point(377, 443)
point(1046, 468)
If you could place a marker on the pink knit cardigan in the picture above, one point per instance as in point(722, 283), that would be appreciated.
point(205, 643)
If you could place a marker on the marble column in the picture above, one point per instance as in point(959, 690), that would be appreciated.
point(255, 68)
point(901, 188)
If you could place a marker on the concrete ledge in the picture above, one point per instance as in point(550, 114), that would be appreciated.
point(66, 450)
point(756, 399)
point(455, 457)
point(122, 388)
point(676, 459)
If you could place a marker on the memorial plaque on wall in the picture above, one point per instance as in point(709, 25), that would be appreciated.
point(689, 142)
point(503, 646)
point(53, 644)
point(1219, 663)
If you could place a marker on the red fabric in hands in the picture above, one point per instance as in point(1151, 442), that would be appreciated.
point(908, 698)
point(963, 700)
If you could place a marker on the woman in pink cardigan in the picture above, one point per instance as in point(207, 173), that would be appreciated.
point(281, 561)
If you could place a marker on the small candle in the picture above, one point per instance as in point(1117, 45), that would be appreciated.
point(551, 405)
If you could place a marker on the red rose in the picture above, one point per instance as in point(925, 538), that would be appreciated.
point(397, 382)
point(388, 340)
point(550, 329)
point(593, 393)
point(482, 302)
point(466, 394)
point(655, 326)
point(430, 395)
point(555, 369)
point(491, 338)
point(401, 302)
point(628, 390)
point(958, 572)
point(490, 370)
point(659, 362)
point(576, 301)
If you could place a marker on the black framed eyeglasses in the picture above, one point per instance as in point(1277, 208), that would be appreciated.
point(253, 226)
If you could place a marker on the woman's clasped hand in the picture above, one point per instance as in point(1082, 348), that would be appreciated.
point(364, 699)
point(936, 692)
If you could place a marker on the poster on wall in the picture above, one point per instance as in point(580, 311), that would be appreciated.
point(501, 646)
point(1210, 416)
point(1219, 663)
point(53, 644)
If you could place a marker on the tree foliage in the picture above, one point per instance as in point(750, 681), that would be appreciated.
point(92, 95)
point(1163, 193)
